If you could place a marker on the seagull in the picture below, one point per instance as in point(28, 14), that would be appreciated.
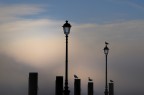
point(106, 43)
point(89, 79)
point(111, 80)
point(75, 76)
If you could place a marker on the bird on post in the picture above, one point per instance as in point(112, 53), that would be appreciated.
point(75, 76)
point(90, 79)
point(111, 80)
point(106, 43)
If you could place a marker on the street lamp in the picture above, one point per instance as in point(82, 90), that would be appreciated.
point(66, 28)
point(106, 51)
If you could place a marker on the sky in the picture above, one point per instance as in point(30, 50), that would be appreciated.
point(32, 40)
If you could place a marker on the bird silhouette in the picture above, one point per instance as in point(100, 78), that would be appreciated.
point(75, 76)
point(111, 80)
point(90, 79)
point(106, 43)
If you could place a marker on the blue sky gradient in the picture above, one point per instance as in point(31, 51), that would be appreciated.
point(100, 11)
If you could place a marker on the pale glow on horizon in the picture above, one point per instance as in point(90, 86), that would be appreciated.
point(35, 51)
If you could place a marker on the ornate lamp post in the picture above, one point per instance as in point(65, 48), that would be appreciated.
point(66, 28)
point(106, 51)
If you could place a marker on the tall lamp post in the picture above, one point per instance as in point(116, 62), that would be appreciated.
point(66, 28)
point(106, 51)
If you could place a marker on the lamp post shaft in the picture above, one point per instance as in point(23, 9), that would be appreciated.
point(66, 91)
point(106, 87)
point(66, 62)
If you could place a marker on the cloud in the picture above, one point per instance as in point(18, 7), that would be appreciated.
point(24, 39)
point(13, 12)
point(133, 3)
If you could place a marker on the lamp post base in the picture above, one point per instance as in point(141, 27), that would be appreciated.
point(66, 92)
point(106, 92)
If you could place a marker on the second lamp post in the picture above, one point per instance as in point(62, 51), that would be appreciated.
point(66, 28)
point(106, 51)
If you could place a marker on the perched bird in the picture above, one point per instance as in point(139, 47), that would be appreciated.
point(90, 79)
point(111, 80)
point(75, 76)
point(106, 43)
